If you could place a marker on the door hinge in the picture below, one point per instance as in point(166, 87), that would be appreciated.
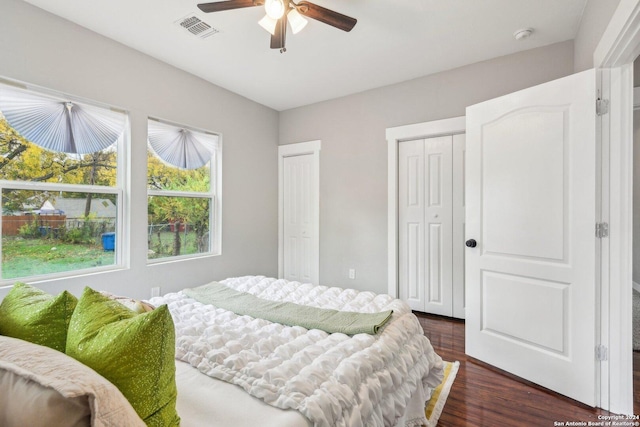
point(602, 230)
point(601, 353)
point(602, 106)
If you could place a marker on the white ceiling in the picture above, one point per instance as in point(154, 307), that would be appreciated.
point(393, 41)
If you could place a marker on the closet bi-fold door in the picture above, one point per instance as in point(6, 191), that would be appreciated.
point(298, 218)
point(425, 205)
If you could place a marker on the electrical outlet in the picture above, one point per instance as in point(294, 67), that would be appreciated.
point(155, 292)
point(352, 273)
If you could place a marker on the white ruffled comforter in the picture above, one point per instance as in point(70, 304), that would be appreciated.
point(332, 379)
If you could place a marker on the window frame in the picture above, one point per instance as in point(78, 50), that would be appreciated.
point(214, 195)
point(119, 189)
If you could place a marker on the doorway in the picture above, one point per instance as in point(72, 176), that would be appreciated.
point(619, 46)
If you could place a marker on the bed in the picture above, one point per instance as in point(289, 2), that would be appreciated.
point(332, 379)
point(232, 369)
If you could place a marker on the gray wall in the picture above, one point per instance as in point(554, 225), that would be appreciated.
point(39, 48)
point(595, 19)
point(42, 49)
point(353, 159)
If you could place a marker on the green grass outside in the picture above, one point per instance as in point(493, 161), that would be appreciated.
point(162, 246)
point(29, 257)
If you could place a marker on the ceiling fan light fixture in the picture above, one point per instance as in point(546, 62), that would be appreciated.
point(269, 24)
point(297, 21)
point(279, 12)
point(274, 8)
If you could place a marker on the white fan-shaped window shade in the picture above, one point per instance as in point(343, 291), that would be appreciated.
point(60, 126)
point(181, 147)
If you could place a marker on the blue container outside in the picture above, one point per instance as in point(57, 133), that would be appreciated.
point(109, 241)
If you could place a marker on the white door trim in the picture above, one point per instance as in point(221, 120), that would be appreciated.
point(614, 55)
point(455, 125)
point(299, 149)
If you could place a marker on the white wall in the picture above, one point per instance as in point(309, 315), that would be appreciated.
point(353, 160)
point(40, 48)
point(595, 18)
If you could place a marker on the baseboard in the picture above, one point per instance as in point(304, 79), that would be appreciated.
point(636, 286)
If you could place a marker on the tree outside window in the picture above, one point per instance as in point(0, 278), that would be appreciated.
point(57, 205)
point(183, 201)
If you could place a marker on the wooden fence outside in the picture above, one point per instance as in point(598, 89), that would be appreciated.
point(11, 223)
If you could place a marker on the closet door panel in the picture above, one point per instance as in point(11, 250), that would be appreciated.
point(438, 217)
point(411, 191)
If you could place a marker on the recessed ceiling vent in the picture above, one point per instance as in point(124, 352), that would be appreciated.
point(196, 26)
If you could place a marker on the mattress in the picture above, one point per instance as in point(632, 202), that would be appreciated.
point(205, 401)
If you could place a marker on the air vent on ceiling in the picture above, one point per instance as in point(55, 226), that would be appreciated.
point(196, 26)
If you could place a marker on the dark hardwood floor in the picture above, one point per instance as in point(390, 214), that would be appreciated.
point(483, 396)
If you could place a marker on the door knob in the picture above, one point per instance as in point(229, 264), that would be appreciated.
point(471, 243)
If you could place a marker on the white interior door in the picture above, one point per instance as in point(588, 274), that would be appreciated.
point(531, 206)
point(425, 201)
point(299, 218)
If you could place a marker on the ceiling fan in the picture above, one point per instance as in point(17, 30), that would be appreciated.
point(279, 12)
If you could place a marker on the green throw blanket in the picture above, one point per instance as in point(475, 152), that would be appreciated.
point(288, 313)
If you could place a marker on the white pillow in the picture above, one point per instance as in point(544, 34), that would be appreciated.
point(132, 304)
point(27, 403)
point(42, 387)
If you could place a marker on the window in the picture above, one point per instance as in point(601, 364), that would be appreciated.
point(183, 173)
point(61, 183)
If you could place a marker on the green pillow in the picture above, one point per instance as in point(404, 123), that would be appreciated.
point(133, 351)
point(33, 315)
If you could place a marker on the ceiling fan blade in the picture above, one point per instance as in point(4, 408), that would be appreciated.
point(228, 5)
point(322, 14)
point(279, 37)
